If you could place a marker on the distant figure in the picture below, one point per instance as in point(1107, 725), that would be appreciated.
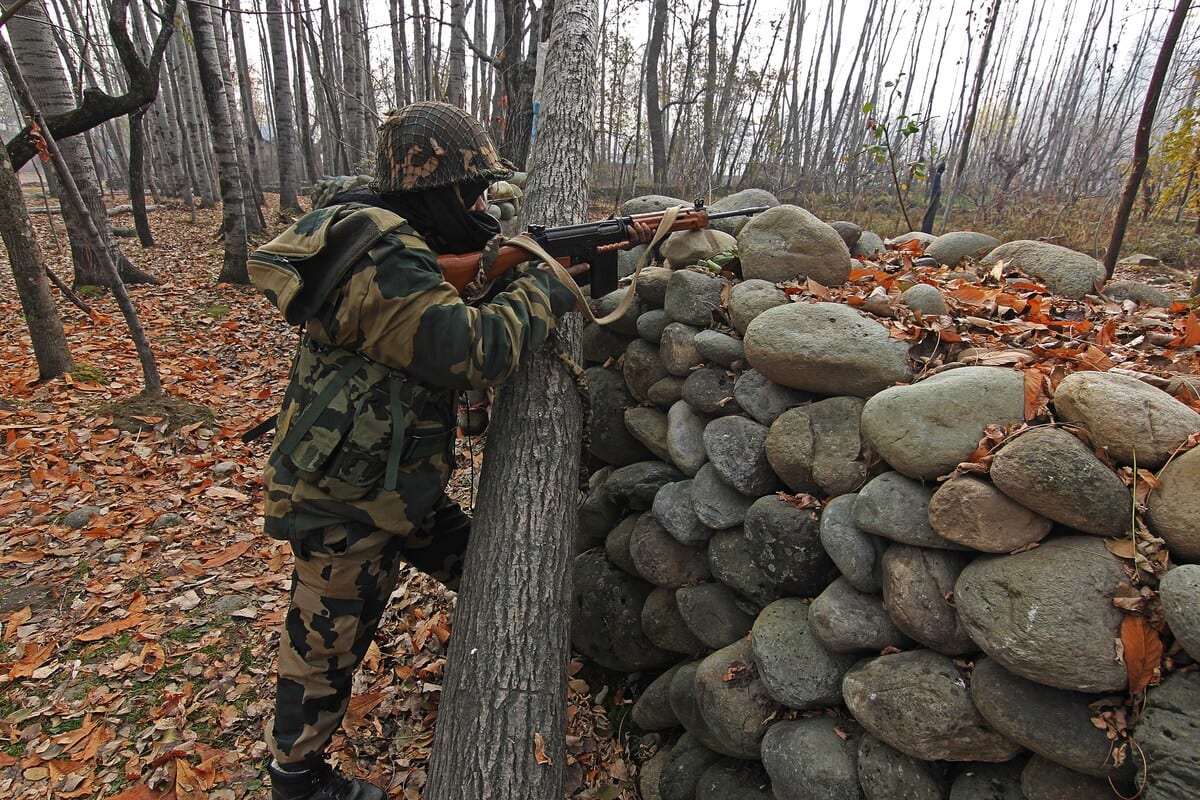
point(935, 197)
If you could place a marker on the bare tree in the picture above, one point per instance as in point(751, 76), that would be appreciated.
point(285, 130)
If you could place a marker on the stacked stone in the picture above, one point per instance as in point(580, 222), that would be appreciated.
point(828, 620)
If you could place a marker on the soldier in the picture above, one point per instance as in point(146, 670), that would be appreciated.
point(364, 446)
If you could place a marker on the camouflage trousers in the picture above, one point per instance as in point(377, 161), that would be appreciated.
point(342, 578)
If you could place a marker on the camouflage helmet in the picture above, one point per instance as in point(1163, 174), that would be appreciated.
point(428, 145)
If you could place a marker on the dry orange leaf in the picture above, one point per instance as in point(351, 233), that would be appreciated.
point(109, 628)
point(539, 750)
point(34, 657)
point(229, 554)
point(1143, 653)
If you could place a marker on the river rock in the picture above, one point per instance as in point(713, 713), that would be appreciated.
point(682, 693)
point(601, 344)
point(641, 368)
point(720, 348)
point(628, 260)
point(736, 448)
point(810, 758)
point(652, 286)
point(827, 349)
point(652, 711)
point(763, 399)
point(626, 324)
point(989, 782)
point(662, 559)
point(918, 703)
point(666, 392)
point(1179, 591)
point(869, 245)
point(692, 296)
point(685, 438)
point(649, 426)
point(733, 780)
point(1169, 736)
point(916, 584)
point(793, 666)
point(651, 203)
point(849, 231)
point(927, 429)
point(649, 774)
point(818, 446)
point(922, 239)
point(717, 504)
point(925, 299)
point(685, 248)
point(650, 325)
point(598, 515)
point(1050, 471)
point(1053, 723)
point(1138, 292)
point(664, 625)
point(606, 436)
point(750, 298)
point(677, 349)
point(714, 614)
point(897, 508)
point(633, 487)
point(787, 241)
point(1173, 511)
point(1064, 271)
point(784, 542)
point(845, 620)
point(972, 512)
point(733, 566)
point(1047, 614)
point(673, 510)
point(1045, 780)
point(857, 554)
point(709, 390)
point(1135, 421)
point(606, 606)
point(738, 711)
point(616, 544)
point(681, 772)
point(884, 773)
point(951, 248)
point(746, 198)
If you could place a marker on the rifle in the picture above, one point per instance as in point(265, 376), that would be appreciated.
point(595, 243)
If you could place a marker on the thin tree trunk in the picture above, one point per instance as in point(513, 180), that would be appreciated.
point(252, 199)
point(137, 174)
point(285, 131)
point(456, 68)
point(654, 110)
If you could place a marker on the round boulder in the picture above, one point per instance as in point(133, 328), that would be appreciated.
point(685, 438)
point(845, 620)
point(733, 566)
point(692, 296)
point(819, 446)
point(733, 701)
point(897, 508)
point(606, 608)
point(736, 448)
point(887, 774)
point(750, 298)
point(739, 201)
point(641, 368)
point(916, 585)
point(951, 248)
point(972, 512)
point(686, 248)
point(795, 669)
point(1179, 591)
point(763, 399)
point(784, 542)
point(661, 559)
point(1173, 511)
point(787, 241)
point(810, 758)
point(607, 437)
point(858, 555)
point(1064, 271)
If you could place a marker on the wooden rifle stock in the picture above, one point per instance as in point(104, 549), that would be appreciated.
point(572, 244)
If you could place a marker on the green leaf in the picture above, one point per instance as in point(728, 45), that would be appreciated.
point(868, 108)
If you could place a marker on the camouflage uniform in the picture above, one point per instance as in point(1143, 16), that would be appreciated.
point(364, 446)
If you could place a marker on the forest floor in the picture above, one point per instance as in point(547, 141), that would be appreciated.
point(140, 602)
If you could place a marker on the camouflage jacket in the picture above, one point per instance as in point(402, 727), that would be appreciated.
point(366, 429)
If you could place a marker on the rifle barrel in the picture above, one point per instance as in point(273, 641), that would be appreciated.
point(740, 212)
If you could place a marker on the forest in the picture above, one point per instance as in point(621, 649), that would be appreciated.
point(152, 145)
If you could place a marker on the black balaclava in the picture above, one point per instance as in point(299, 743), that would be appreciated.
point(441, 216)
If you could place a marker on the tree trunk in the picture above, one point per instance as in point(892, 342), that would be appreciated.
point(252, 199)
point(250, 129)
point(506, 671)
point(456, 68)
point(1141, 144)
point(285, 130)
point(654, 111)
point(233, 269)
point(400, 63)
point(137, 176)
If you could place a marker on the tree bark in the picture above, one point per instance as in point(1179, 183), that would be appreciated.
point(285, 129)
point(456, 67)
point(654, 111)
point(502, 720)
point(1141, 144)
point(137, 176)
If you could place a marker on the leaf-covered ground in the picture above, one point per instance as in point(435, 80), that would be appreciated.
point(139, 600)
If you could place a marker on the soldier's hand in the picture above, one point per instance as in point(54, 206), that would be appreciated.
point(640, 233)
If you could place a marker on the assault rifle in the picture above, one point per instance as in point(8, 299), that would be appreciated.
point(595, 243)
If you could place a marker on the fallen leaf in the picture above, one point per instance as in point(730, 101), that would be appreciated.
point(1143, 653)
point(539, 749)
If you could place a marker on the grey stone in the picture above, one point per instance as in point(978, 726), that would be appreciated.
point(1047, 614)
point(650, 203)
point(167, 520)
point(916, 584)
point(737, 710)
point(709, 390)
point(650, 325)
point(1051, 472)
point(633, 487)
point(918, 703)
point(686, 248)
point(641, 368)
point(681, 772)
point(1169, 737)
point(869, 245)
point(606, 607)
point(602, 344)
point(1064, 271)
point(616, 544)
point(763, 399)
point(652, 286)
point(598, 515)
point(81, 516)
point(1179, 591)
point(951, 248)
point(650, 773)
point(1053, 723)
point(786, 242)
point(717, 504)
point(606, 435)
point(784, 542)
point(720, 348)
point(989, 782)
point(682, 694)
point(845, 620)
point(692, 296)
point(925, 299)
point(677, 349)
point(811, 758)
point(793, 666)
point(927, 429)
point(666, 392)
point(735, 447)
point(649, 426)
point(1138, 292)
point(922, 239)
point(972, 512)
point(746, 198)
point(628, 260)
point(661, 559)
point(897, 508)
point(714, 613)
point(884, 773)
point(627, 323)
point(673, 510)
point(685, 438)
point(665, 627)
point(847, 230)
point(750, 298)
point(818, 449)
point(1173, 510)
point(857, 554)
point(733, 780)
point(1136, 422)
point(652, 711)
point(1044, 780)
point(733, 566)
point(827, 349)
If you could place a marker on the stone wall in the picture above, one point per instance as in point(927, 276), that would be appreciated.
point(819, 603)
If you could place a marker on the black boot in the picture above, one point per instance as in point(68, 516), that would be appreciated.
point(316, 780)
